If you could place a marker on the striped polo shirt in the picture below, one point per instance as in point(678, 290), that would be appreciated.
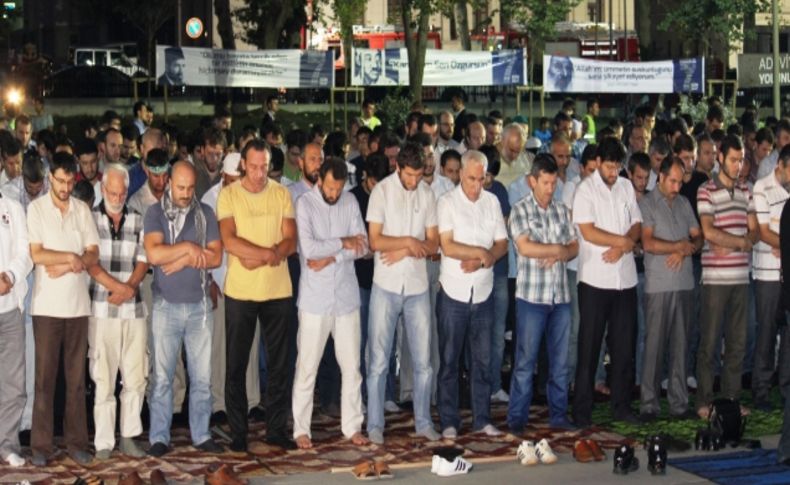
point(769, 200)
point(730, 210)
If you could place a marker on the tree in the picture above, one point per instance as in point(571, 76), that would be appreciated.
point(415, 16)
point(462, 24)
point(702, 22)
point(272, 24)
point(225, 23)
point(538, 18)
point(348, 13)
point(148, 16)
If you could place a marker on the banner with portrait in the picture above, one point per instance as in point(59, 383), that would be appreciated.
point(281, 68)
point(577, 75)
point(390, 67)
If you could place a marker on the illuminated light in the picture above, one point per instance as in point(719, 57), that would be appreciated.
point(14, 96)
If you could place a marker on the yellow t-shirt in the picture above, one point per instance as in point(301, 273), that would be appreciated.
point(258, 219)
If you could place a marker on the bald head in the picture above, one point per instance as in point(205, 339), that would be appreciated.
point(152, 138)
point(182, 183)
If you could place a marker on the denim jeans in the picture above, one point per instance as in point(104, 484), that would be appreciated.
point(364, 312)
point(464, 322)
point(385, 308)
point(532, 322)
point(498, 332)
point(172, 324)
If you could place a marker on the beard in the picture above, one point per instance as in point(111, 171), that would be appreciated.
point(113, 208)
point(311, 177)
point(328, 200)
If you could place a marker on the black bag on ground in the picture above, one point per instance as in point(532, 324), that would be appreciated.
point(725, 420)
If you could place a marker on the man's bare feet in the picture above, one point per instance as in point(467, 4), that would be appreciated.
point(303, 442)
point(359, 439)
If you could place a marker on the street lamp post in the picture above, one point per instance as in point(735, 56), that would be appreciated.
point(777, 80)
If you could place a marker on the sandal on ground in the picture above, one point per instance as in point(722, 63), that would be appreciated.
point(364, 471)
point(382, 470)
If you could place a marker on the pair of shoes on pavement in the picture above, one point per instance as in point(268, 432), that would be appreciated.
point(625, 462)
point(443, 467)
point(586, 450)
point(530, 454)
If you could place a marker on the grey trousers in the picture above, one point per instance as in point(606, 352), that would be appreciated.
point(12, 380)
point(770, 316)
point(727, 304)
point(667, 318)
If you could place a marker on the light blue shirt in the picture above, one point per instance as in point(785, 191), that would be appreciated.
point(298, 189)
point(333, 290)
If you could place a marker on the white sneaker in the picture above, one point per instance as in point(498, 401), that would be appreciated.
point(459, 466)
point(391, 407)
point(543, 450)
point(665, 384)
point(526, 453)
point(500, 396)
point(450, 433)
point(691, 381)
point(14, 460)
point(490, 430)
point(435, 463)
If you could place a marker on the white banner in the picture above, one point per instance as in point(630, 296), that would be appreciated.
point(286, 68)
point(576, 75)
point(390, 67)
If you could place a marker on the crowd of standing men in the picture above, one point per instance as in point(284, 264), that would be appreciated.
point(254, 268)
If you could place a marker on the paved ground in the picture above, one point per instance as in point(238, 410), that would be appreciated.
point(566, 470)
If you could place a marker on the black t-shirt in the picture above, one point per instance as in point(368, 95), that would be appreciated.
point(363, 267)
point(689, 189)
point(359, 163)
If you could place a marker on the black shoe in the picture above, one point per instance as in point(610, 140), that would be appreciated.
point(282, 442)
point(656, 456)
point(257, 414)
point(158, 449)
point(647, 417)
point(625, 461)
point(239, 445)
point(219, 418)
point(210, 446)
point(628, 418)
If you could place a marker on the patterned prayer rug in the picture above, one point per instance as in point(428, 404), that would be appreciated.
point(330, 452)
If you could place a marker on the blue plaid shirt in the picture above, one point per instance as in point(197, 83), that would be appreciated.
point(545, 286)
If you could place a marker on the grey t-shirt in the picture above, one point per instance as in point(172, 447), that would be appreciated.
point(185, 285)
point(671, 223)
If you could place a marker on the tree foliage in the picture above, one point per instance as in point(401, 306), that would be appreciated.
point(538, 19)
point(272, 24)
point(347, 13)
point(702, 22)
point(147, 16)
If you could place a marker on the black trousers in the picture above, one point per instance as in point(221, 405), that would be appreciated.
point(599, 308)
point(241, 316)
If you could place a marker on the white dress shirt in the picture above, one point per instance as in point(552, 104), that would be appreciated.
point(402, 213)
point(478, 223)
point(613, 210)
point(14, 253)
point(441, 185)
